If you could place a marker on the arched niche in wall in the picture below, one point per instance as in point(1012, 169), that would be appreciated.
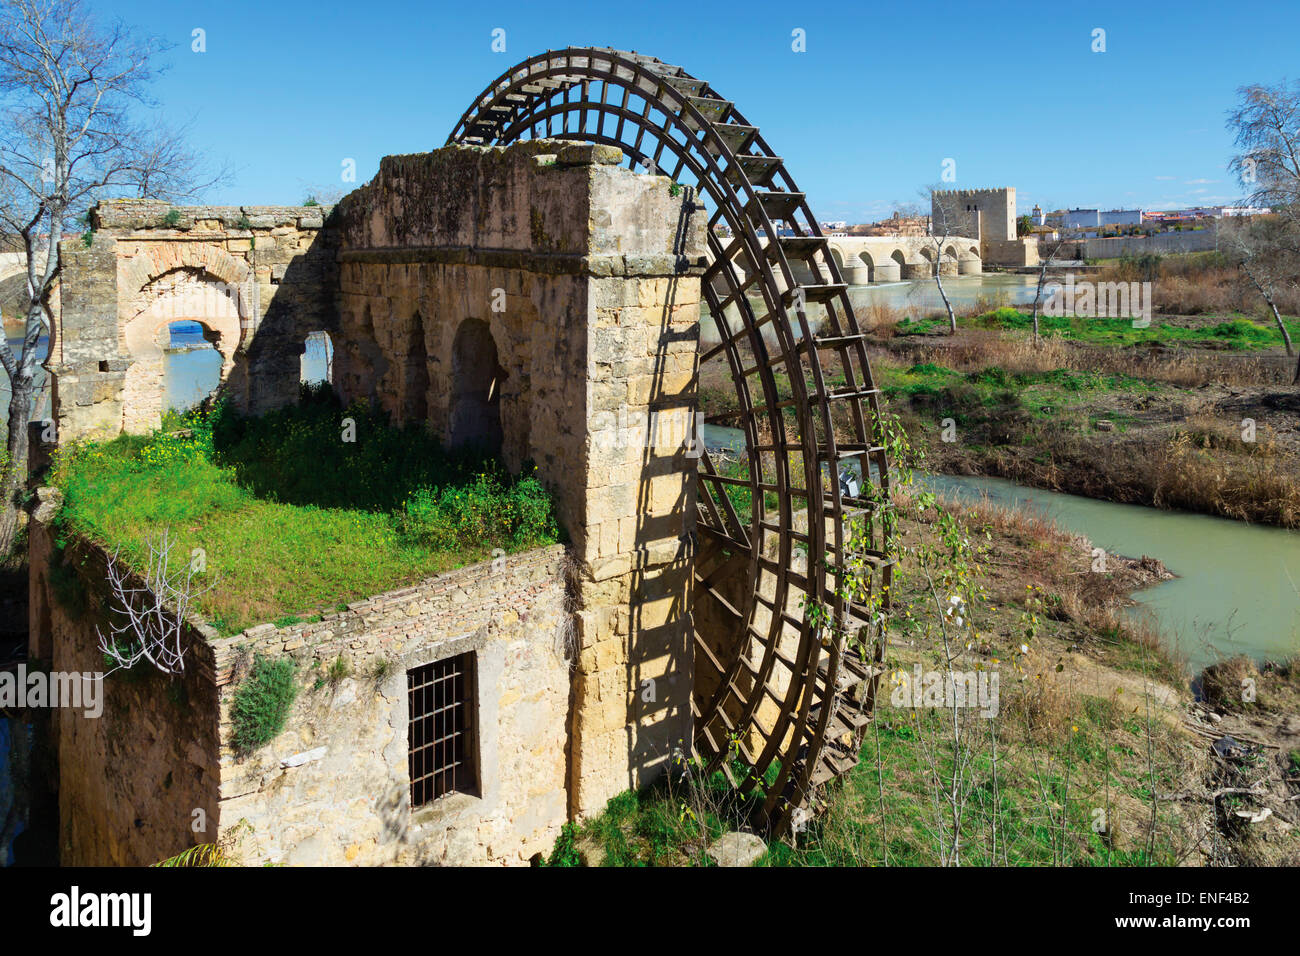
point(476, 380)
point(316, 366)
point(415, 373)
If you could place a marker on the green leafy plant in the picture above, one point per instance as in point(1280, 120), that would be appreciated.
point(172, 218)
point(262, 702)
point(565, 852)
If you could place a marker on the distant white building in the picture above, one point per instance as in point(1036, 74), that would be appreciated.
point(833, 225)
point(1123, 217)
point(1219, 212)
point(1036, 216)
point(1081, 219)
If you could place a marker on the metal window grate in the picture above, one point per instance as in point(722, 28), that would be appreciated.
point(440, 731)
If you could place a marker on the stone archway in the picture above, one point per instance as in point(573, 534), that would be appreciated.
point(180, 295)
point(476, 381)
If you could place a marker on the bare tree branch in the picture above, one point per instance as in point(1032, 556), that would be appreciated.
point(148, 618)
point(74, 128)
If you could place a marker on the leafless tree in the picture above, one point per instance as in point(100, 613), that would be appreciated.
point(148, 614)
point(323, 195)
point(1260, 246)
point(1265, 125)
point(945, 222)
point(1054, 249)
point(76, 127)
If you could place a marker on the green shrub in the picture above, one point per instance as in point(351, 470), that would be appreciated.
point(262, 702)
point(484, 510)
point(993, 375)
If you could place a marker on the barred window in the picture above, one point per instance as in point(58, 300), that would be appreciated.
point(441, 730)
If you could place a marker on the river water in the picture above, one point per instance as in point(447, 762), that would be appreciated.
point(193, 368)
point(1238, 585)
point(920, 298)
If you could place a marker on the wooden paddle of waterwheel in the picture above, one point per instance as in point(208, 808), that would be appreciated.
point(792, 576)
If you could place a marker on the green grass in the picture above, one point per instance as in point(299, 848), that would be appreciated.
point(1098, 759)
point(1237, 334)
point(991, 386)
point(290, 518)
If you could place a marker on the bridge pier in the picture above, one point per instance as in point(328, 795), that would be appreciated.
point(857, 274)
point(918, 270)
point(887, 272)
point(970, 267)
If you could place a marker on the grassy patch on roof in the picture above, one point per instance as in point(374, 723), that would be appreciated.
point(291, 517)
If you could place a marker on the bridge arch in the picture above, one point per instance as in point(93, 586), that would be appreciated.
point(773, 264)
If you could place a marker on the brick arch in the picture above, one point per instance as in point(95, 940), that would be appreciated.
point(140, 271)
point(198, 297)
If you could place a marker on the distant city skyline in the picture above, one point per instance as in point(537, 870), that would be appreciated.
point(287, 93)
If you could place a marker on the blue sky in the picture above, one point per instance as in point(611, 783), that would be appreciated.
point(288, 89)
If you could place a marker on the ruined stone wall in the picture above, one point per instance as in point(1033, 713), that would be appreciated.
point(132, 779)
point(585, 277)
point(1012, 253)
point(333, 786)
point(259, 278)
point(540, 297)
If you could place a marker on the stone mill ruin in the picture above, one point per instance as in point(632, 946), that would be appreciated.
point(599, 227)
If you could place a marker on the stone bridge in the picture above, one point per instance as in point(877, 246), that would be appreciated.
point(13, 287)
point(867, 259)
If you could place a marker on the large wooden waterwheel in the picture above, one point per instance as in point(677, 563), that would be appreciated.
point(790, 595)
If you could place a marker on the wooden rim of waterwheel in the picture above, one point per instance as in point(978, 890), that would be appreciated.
point(791, 679)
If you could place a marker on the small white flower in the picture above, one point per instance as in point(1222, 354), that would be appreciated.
point(1024, 648)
